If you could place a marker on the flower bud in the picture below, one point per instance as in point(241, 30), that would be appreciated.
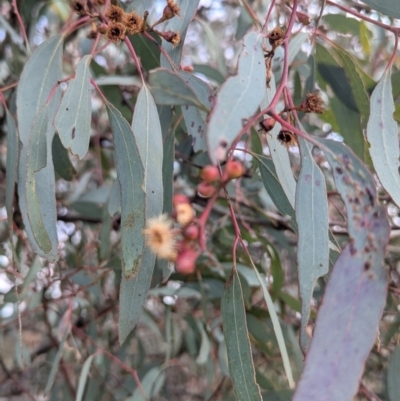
point(191, 232)
point(180, 198)
point(234, 169)
point(268, 124)
point(205, 189)
point(186, 261)
point(303, 18)
point(184, 213)
point(210, 174)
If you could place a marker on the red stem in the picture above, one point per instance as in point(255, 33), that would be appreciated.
point(21, 23)
point(135, 58)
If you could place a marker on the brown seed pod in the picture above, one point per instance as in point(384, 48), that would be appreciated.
point(287, 138)
point(115, 32)
point(79, 7)
point(312, 104)
point(115, 13)
point(170, 36)
point(174, 7)
point(134, 23)
point(276, 37)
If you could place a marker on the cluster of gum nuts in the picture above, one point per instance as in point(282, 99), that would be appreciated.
point(183, 214)
point(212, 178)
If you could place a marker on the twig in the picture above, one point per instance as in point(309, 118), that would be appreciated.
point(21, 24)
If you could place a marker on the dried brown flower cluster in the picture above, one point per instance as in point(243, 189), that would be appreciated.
point(312, 104)
point(119, 23)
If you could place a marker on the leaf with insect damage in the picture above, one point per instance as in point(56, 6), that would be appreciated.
point(72, 120)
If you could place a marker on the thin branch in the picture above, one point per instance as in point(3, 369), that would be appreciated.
point(21, 24)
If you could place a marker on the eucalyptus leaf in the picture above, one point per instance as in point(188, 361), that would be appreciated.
point(39, 77)
point(387, 7)
point(313, 231)
point(147, 130)
point(241, 367)
point(72, 120)
point(170, 88)
point(382, 134)
point(238, 98)
point(279, 153)
point(195, 119)
point(131, 177)
point(11, 166)
point(354, 298)
point(393, 375)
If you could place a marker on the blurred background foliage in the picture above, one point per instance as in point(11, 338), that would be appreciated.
point(178, 348)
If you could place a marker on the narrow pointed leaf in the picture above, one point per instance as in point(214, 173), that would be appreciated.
point(131, 180)
point(382, 134)
point(36, 161)
point(56, 363)
point(353, 73)
point(279, 153)
point(313, 230)
point(147, 130)
point(188, 11)
point(354, 298)
point(241, 367)
point(274, 188)
point(169, 88)
point(40, 75)
point(83, 377)
point(237, 99)
point(195, 119)
point(388, 7)
point(393, 376)
point(11, 165)
point(62, 164)
point(114, 201)
point(73, 117)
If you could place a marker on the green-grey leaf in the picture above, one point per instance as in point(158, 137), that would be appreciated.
point(356, 292)
point(72, 120)
point(152, 383)
point(195, 119)
point(240, 359)
point(188, 11)
point(169, 88)
point(36, 161)
point(295, 45)
point(353, 73)
point(210, 72)
point(274, 188)
point(313, 230)
point(335, 76)
point(389, 7)
point(147, 130)
point(279, 153)
point(114, 201)
point(393, 376)
point(40, 75)
point(130, 172)
point(83, 377)
point(237, 99)
point(11, 166)
point(62, 164)
point(382, 134)
point(350, 128)
point(56, 363)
